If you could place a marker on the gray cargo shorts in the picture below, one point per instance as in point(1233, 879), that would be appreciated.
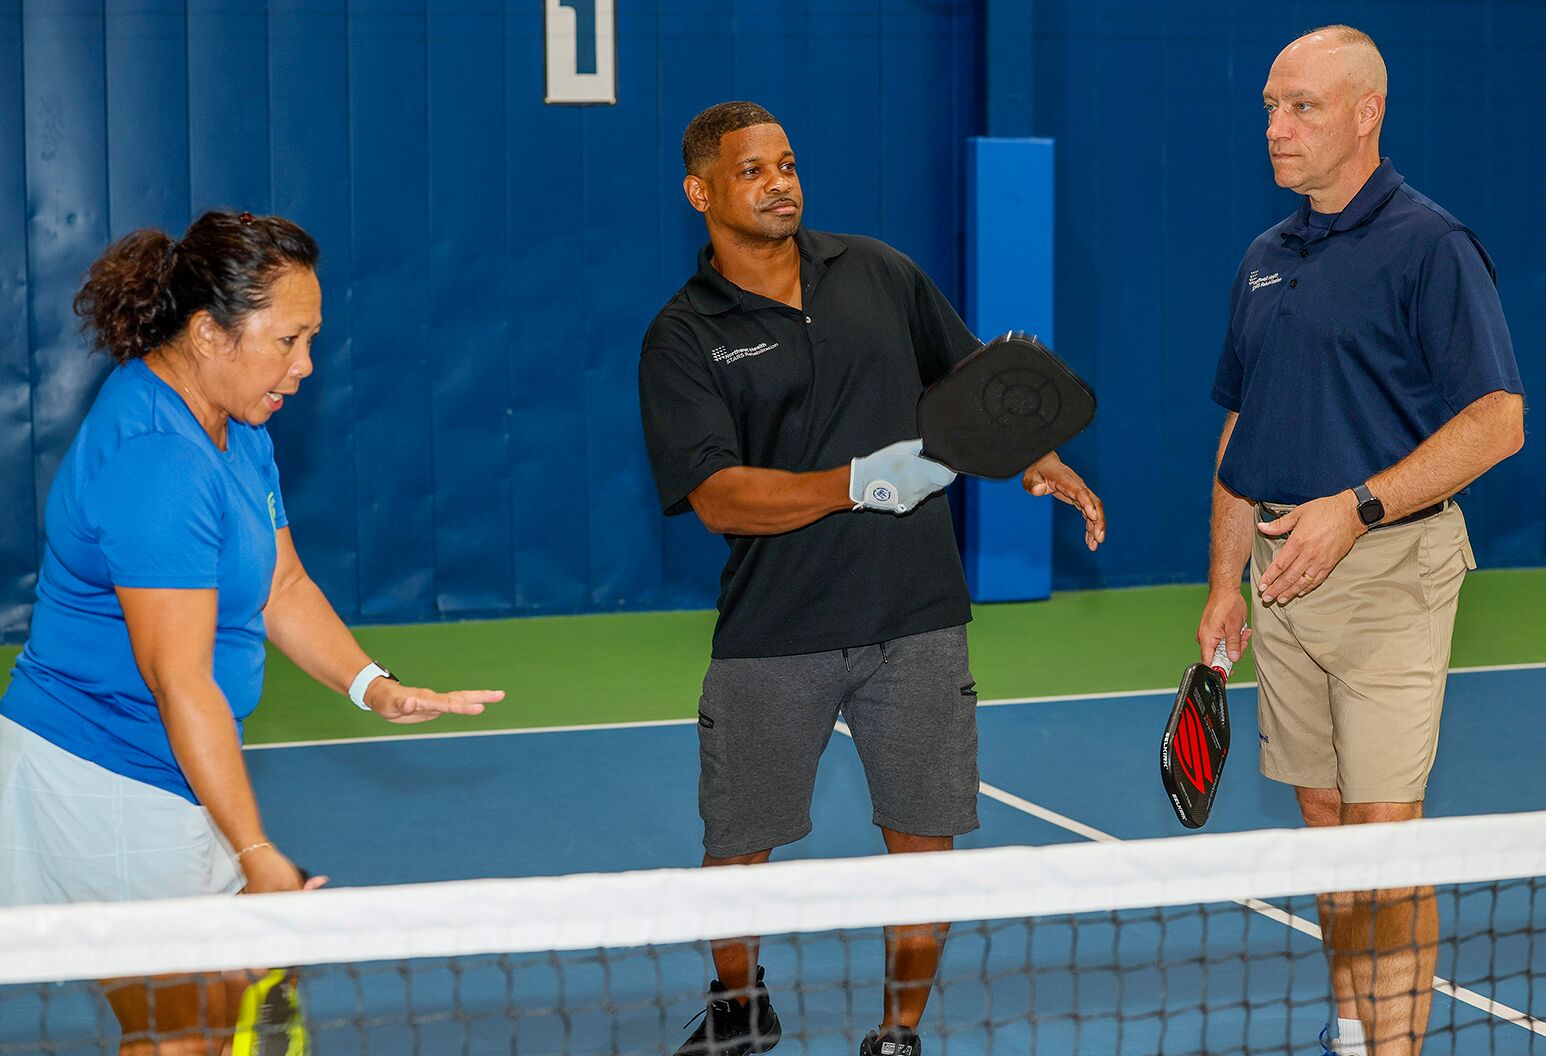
point(763, 723)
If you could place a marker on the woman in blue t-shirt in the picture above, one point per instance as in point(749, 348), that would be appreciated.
point(168, 561)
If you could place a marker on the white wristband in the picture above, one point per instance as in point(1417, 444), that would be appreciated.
point(368, 674)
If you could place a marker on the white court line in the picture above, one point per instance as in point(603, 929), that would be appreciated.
point(1271, 912)
point(449, 735)
point(1482, 669)
point(647, 723)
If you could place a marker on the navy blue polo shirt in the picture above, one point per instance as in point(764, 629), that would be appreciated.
point(1351, 344)
point(731, 378)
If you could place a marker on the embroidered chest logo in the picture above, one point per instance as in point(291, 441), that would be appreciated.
point(726, 354)
point(1258, 280)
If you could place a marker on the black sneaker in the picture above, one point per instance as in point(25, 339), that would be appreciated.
point(730, 1028)
point(898, 1041)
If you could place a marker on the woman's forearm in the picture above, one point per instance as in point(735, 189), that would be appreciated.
point(203, 737)
point(302, 625)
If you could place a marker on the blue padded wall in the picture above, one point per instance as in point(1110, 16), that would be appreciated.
point(1163, 180)
point(18, 502)
point(470, 442)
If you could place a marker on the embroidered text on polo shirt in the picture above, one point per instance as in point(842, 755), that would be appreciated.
point(726, 355)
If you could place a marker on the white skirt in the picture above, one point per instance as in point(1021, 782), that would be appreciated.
point(71, 831)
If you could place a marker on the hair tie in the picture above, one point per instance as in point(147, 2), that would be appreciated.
point(245, 218)
point(166, 258)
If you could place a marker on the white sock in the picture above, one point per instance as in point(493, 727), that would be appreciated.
point(1350, 1040)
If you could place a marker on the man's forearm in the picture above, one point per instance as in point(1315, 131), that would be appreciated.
point(1233, 528)
point(746, 500)
point(1483, 434)
point(1233, 524)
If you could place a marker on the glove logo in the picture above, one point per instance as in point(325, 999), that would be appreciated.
point(881, 491)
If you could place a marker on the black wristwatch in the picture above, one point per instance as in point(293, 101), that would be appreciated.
point(1371, 511)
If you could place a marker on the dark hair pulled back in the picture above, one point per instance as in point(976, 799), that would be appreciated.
point(142, 291)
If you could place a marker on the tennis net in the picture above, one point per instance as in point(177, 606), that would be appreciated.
point(1197, 944)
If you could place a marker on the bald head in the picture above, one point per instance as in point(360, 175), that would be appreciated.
point(1348, 55)
point(1325, 102)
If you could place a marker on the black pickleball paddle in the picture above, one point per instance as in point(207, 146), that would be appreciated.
point(1002, 408)
point(1196, 741)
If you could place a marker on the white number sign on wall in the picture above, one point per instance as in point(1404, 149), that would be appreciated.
point(581, 51)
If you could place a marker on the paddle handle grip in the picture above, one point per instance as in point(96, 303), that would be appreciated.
point(1221, 661)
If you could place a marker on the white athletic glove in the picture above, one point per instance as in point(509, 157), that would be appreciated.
point(895, 478)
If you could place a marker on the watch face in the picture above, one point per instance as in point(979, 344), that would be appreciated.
point(1371, 512)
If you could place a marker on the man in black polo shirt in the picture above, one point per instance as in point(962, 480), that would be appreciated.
point(787, 355)
point(1369, 377)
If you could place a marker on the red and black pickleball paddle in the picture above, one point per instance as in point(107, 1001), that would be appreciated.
point(1196, 741)
point(1002, 408)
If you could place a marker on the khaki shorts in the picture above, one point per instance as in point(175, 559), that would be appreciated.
point(1352, 674)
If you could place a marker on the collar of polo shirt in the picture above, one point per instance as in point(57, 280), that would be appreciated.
point(712, 294)
point(1375, 192)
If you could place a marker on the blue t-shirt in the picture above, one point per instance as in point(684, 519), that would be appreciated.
point(1352, 339)
point(144, 498)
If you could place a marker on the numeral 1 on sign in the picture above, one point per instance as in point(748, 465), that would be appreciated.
point(581, 51)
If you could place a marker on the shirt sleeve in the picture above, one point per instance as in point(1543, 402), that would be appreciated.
point(156, 509)
point(688, 428)
point(940, 338)
point(1460, 326)
point(1229, 375)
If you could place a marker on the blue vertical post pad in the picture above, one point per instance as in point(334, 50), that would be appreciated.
point(1007, 548)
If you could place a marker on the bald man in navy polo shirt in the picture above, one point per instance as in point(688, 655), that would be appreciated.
point(1369, 377)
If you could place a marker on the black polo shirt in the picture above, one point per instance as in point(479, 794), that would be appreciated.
point(730, 378)
point(1353, 341)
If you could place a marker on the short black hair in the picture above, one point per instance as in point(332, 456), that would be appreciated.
point(700, 143)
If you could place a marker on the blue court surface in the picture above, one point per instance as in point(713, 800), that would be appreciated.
point(551, 802)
